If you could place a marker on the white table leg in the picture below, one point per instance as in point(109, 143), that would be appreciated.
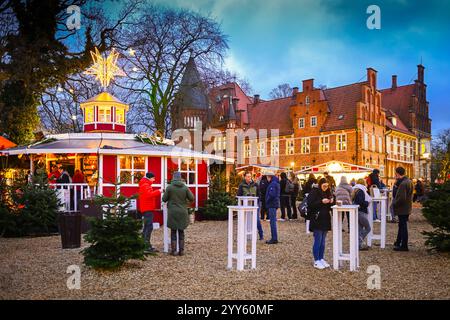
point(352, 247)
point(370, 217)
point(383, 224)
point(335, 240)
point(165, 230)
point(356, 223)
point(254, 220)
point(307, 227)
point(241, 241)
point(230, 239)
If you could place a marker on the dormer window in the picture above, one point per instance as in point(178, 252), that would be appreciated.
point(394, 121)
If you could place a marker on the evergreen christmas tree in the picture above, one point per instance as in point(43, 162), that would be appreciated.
point(436, 211)
point(116, 238)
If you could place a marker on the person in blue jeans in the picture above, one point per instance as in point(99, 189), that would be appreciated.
point(272, 204)
point(248, 188)
point(320, 201)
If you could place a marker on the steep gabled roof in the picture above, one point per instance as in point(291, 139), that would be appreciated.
point(192, 93)
point(398, 100)
point(400, 126)
point(342, 106)
point(237, 92)
point(272, 114)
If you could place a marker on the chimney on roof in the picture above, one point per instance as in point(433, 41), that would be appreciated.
point(372, 77)
point(394, 82)
point(308, 85)
point(294, 91)
point(256, 99)
point(421, 73)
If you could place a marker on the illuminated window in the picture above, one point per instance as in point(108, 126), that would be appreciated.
point(305, 144)
point(120, 116)
point(131, 169)
point(247, 150)
point(290, 146)
point(307, 100)
point(366, 141)
point(324, 145)
point(220, 143)
point(187, 170)
point(380, 145)
point(341, 142)
point(89, 114)
point(275, 147)
point(373, 143)
point(262, 149)
point(313, 121)
point(388, 144)
point(104, 114)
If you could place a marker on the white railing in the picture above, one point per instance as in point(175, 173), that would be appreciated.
point(71, 193)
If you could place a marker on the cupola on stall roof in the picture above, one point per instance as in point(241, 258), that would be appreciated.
point(104, 113)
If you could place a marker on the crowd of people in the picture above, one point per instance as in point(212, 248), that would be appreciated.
point(319, 195)
point(280, 192)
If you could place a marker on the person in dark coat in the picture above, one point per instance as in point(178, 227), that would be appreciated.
point(294, 196)
point(320, 201)
point(361, 197)
point(402, 206)
point(420, 190)
point(177, 195)
point(262, 187)
point(248, 188)
point(272, 204)
point(285, 197)
point(309, 184)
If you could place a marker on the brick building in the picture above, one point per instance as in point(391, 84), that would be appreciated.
point(356, 123)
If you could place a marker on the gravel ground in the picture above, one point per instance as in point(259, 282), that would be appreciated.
point(35, 268)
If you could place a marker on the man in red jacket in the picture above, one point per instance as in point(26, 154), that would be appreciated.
point(147, 204)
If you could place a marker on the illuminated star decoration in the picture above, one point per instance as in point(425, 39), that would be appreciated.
point(105, 69)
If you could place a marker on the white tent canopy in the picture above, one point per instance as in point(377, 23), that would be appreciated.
point(337, 169)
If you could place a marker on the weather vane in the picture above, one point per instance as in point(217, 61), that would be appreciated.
point(105, 69)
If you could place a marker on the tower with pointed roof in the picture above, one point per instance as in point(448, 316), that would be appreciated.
point(191, 102)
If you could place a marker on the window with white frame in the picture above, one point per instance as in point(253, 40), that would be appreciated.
point(275, 147)
point(262, 148)
point(290, 146)
point(104, 114)
point(301, 123)
point(341, 142)
point(324, 144)
point(247, 150)
point(388, 145)
point(395, 146)
point(120, 116)
point(187, 170)
point(307, 100)
point(89, 114)
point(220, 143)
point(380, 145)
point(314, 121)
point(366, 141)
point(305, 144)
point(131, 169)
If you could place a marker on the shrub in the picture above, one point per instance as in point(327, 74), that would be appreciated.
point(29, 209)
point(219, 198)
point(114, 239)
point(436, 211)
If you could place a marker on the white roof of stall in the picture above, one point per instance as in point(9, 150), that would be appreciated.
point(335, 167)
point(106, 143)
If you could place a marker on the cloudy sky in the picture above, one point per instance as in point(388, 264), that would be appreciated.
point(286, 41)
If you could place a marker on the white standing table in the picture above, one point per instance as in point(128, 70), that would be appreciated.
point(338, 255)
point(382, 205)
point(248, 201)
point(241, 255)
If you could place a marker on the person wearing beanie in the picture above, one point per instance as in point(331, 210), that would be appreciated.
point(177, 196)
point(147, 205)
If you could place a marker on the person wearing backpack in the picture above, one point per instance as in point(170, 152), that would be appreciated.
point(344, 194)
point(287, 188)
point(361, 197)
point(320, 201)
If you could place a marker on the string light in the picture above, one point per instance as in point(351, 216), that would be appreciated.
point(104, 69)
